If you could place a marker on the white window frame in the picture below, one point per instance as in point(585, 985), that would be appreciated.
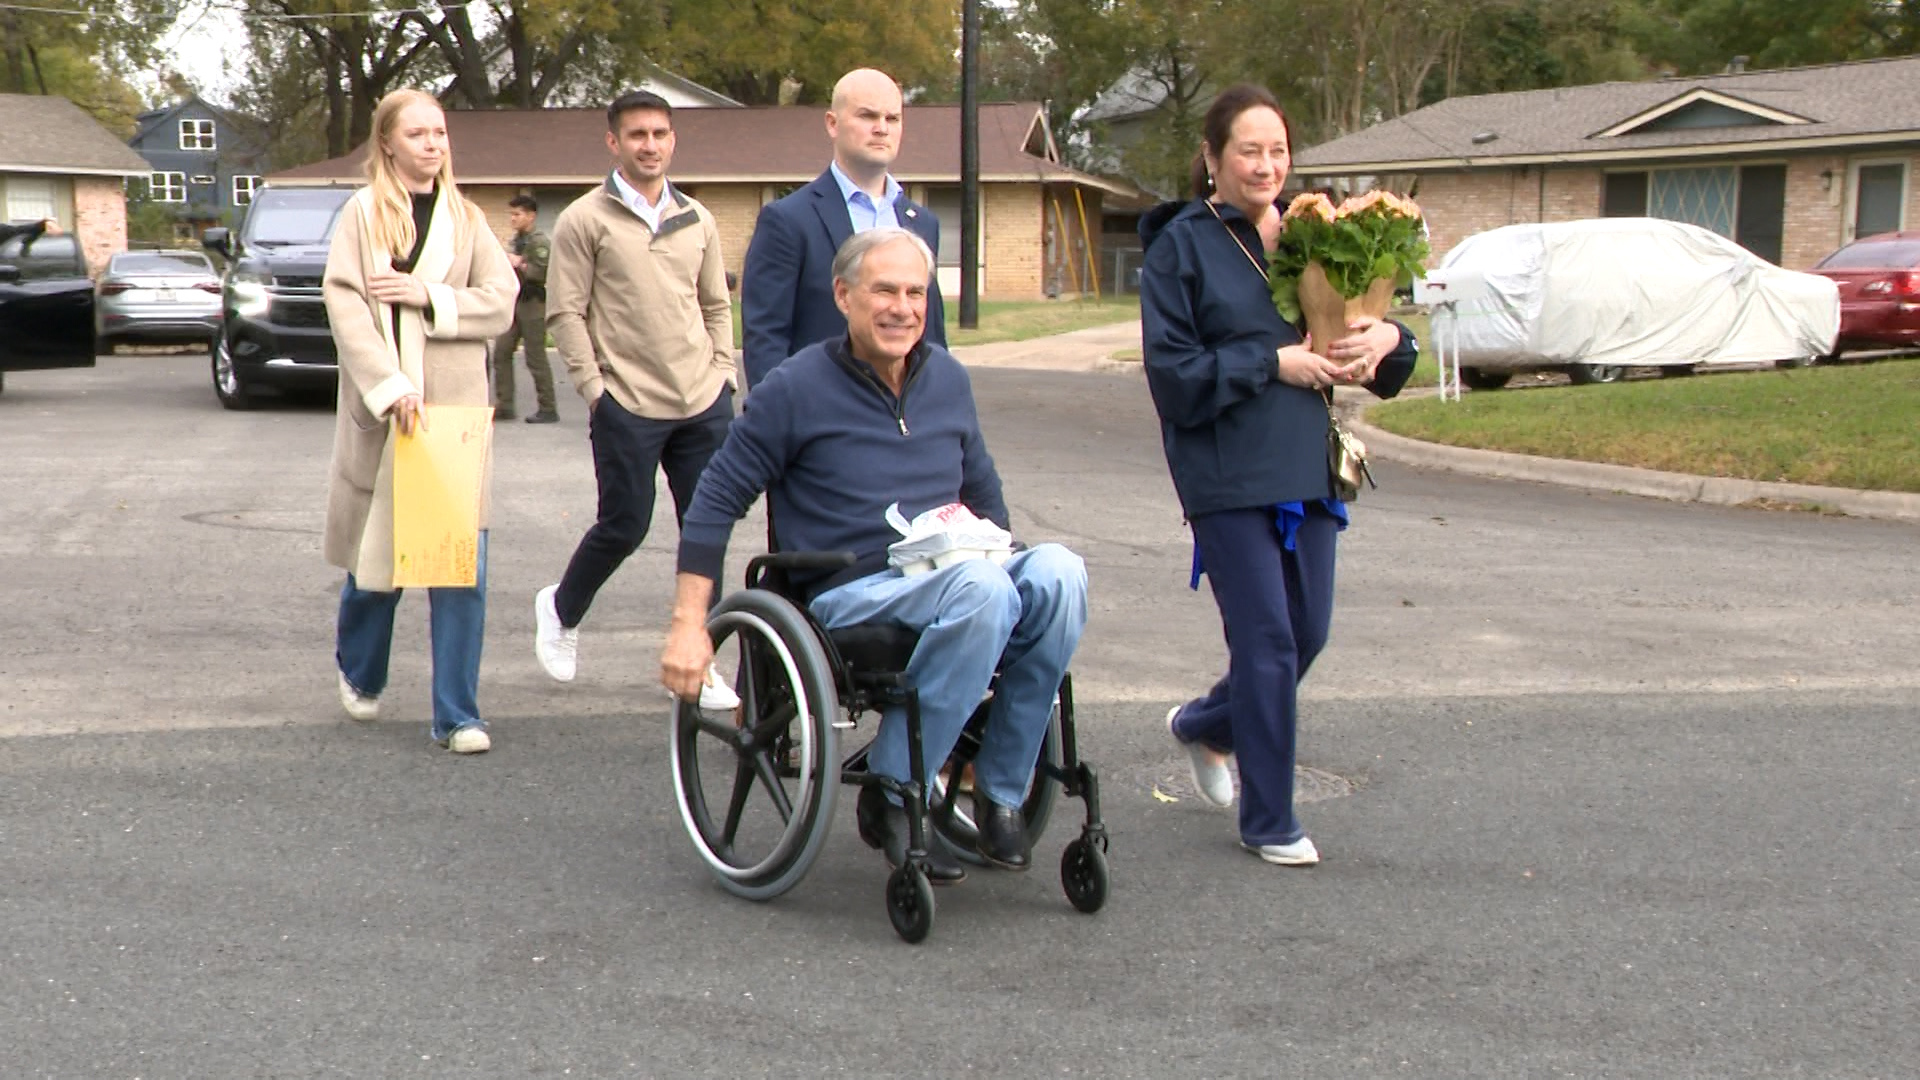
point(31, 198)
point(244, 187)
point(196, 135)
point(167, 187)
point(1850, 209)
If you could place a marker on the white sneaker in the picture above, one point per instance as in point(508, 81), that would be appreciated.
point(359, 706)
point(716, 695)
point(1299, 853)
point(553, 644)
point(1211, 779)
point(468, 740)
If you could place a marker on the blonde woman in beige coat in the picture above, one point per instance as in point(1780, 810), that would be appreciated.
point(416, 287)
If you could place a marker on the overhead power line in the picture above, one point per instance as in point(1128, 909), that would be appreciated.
point(371, 13)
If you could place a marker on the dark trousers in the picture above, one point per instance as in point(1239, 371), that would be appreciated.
point(628, 453)
point(529, 327)
point(1276, 606)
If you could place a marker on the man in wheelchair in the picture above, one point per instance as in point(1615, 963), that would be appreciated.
point(833, 436)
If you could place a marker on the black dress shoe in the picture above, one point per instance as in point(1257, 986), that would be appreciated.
point(1003, 834)
point(884, 826)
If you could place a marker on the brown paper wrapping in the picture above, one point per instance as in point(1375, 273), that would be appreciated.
point(1328, 313)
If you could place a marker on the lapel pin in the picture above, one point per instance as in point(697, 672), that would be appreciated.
point(910, 212)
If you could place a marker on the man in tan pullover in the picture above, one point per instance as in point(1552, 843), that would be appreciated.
point(637, 304)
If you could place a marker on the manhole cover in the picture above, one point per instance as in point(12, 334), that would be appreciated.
point(1309, 784)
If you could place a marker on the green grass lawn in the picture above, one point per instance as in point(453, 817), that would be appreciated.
point(1018, 320)
point(1851, 425)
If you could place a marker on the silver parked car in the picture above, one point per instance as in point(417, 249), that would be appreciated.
point(156, 296)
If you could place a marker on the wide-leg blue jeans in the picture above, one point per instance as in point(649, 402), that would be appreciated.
point(1025, 618)
point(458, 623)
point(1277, 606)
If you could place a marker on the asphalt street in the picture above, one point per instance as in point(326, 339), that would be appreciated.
point(1605, 786)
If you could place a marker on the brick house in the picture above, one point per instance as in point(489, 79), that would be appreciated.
point(1039, 220)
point(57, 162)
point(1790, 163)
point(204, 162)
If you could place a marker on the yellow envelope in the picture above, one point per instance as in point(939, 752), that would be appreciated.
point(437, 476)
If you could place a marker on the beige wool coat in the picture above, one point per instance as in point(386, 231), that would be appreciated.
point(442, 357)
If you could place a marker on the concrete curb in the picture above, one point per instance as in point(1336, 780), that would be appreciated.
point(1678, 487)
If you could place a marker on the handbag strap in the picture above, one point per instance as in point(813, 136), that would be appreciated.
point(1327, 393)
point(1258, 266)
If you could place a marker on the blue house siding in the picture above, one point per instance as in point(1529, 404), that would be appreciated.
point(200, 180)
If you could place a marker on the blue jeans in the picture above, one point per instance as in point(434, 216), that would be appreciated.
point(459, 624)
point(1024, 618)
point(1277, 606)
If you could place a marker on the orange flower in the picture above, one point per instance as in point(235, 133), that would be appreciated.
point(1379, 198)
point(1310, 204)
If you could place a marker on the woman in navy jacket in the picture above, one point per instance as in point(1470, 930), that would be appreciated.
point(1243, 416)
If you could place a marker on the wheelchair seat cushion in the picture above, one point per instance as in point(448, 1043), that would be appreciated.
point(875, 647)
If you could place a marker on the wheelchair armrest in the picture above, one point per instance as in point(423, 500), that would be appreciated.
point(785, 562)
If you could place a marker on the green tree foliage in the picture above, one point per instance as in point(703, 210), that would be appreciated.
point(81, 58)
point(1341, 65)
point(522, 53)
point(752, 49)
point(1703, 36)
point(1159, 58)
point(316, 80)
point(327, 73)
point(1536, 44)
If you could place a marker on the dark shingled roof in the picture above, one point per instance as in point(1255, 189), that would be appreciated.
point(1862, 103)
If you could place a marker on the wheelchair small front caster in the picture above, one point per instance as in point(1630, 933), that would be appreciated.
point(1083, 873)
point(910, 903)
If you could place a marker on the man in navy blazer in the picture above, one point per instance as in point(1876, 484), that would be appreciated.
point(786, 289)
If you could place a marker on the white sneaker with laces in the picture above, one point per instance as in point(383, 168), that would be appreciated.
point(1299, 853)
point(1211, 779)
point(468, 740)
point(359, 706)
point(554, 645)
point(716, 695)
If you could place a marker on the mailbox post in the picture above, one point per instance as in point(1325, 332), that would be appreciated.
point(1442, 291)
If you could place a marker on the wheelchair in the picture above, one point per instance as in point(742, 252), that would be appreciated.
point(757, 788)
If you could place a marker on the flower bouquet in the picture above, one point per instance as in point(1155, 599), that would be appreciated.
point(1334, 264)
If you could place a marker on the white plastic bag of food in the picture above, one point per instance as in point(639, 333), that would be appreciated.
point(943, 536)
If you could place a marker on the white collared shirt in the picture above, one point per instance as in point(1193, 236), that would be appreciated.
point(861, 208)
point(636, 202)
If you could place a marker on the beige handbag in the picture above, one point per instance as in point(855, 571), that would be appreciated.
point(1346, 458)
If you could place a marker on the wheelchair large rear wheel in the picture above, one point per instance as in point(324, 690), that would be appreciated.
point(952, 816)
point(756, 787)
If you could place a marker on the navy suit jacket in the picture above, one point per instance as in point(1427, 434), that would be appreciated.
point(786, 287)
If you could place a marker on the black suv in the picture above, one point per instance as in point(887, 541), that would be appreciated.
point(273, 323)
point(46, 305)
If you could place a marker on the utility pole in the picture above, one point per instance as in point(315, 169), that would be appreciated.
point(970, 166)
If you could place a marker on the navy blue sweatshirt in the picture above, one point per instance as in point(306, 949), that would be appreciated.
point(1236, 437)
point(832, 447)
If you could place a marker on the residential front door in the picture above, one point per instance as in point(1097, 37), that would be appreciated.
point(1879, 190)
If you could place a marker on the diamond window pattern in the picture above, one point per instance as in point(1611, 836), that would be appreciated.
point(1703, 197)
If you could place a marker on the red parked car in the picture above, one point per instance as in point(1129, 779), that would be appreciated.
point(1879, 279)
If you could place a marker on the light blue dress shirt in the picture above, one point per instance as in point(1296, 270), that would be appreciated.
point(860, 206)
